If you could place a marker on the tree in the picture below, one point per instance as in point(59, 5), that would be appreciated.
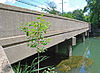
point(93, 7)
point(68, 14)
point(78, 14)
point(35, 32)
point(51, 8)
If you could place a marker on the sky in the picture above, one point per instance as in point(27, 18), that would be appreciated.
point(69, 5)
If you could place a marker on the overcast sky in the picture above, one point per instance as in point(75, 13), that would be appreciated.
point(69, 5)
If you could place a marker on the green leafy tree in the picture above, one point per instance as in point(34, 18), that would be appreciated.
point(78, 14)
point(68, 14)
point(93, 7)
point(35, 32)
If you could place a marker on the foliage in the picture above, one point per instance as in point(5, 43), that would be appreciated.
point(51, 8)
point(97, 37)
point(93, 7)
point(68, 14)
point(78, 14)
point(73, 62)
point(35, 32)
point(29, 68)
point(50, 70)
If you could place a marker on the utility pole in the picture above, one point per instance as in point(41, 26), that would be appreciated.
point(62, 7)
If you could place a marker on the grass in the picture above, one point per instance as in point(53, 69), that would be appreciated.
point(20, 68)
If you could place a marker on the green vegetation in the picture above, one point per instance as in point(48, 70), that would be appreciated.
point(93, 7)
point(50, 70)
point(32, 68)
point(97, 37)
point(51, 8)
point(20, 68)
point(35, 32)
point(73, 62)
point(76, 14)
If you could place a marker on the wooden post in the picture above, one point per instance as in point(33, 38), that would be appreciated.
point(5, 66)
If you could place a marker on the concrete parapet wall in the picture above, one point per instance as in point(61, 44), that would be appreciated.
point(14, 40)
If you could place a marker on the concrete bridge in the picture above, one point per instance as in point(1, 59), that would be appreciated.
point(13, 41)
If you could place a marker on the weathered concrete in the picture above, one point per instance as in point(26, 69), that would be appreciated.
point(70, 50)
point(5, 66)
point(73, 41)
point(83, 37)
point(14, 41)
point(86, 33)
point(69, 47)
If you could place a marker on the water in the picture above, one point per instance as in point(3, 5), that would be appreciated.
point(92, 53)
point(90, 49)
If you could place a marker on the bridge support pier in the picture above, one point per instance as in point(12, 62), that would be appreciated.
point(70, 50)
point(69, 47)
point(83, 37)
point(73, 41)
point(87, 33)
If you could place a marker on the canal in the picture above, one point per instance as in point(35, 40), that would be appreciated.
point(94, 53)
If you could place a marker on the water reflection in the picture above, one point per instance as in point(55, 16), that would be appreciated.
point(82, 69)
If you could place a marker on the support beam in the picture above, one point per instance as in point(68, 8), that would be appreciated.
point(69, 47)
point(5, 66)
point(86, 33)
point(70, 50)
point(83, 37)
point(73, 41)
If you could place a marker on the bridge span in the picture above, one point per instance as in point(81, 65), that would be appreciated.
point(13, 41)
